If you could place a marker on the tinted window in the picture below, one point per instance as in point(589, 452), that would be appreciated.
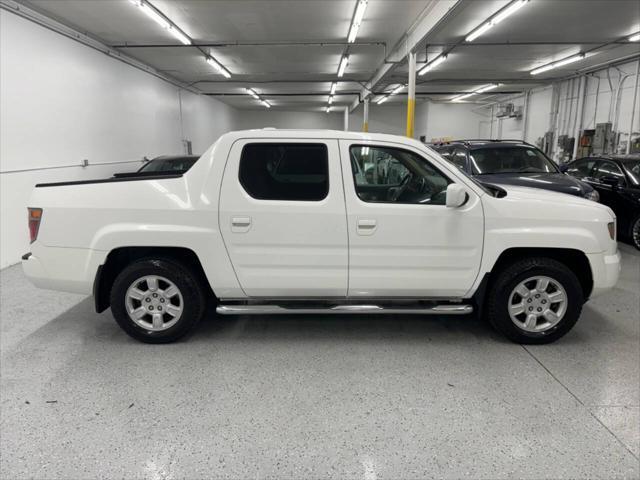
point(633, 170)
point(459, 159)
point(509, 160)
point(445, 152)
point(608, 169)
point(285, 171)
point(392, 175)
point(581, 168)
point(173, 165)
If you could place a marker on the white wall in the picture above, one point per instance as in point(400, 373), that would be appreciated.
point(63, 102)
point(600, 105)
point(248, 119)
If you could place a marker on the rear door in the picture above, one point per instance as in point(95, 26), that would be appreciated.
point(403, 240)
point(283, 219)
point(609, 194)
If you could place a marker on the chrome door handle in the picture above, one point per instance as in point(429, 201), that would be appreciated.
point(240, 224)
point(366, 226)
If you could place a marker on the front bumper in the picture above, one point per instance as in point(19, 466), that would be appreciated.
point(605, 269)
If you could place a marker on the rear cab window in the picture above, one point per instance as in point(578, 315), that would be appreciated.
point(285, 171)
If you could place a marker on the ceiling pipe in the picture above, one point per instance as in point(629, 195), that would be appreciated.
point(250, 44)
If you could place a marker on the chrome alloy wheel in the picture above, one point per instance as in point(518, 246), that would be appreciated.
point(537, 304)
point(154, 303)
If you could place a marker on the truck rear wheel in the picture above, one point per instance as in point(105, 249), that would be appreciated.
point(535, 300)
point(157, 300)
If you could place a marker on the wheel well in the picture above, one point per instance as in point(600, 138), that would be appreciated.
point(574, 259)
point(119, 258)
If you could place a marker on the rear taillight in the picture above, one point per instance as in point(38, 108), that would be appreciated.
point(35, 215)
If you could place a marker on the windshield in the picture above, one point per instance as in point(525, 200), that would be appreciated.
point(173, 165)
point(486, 161)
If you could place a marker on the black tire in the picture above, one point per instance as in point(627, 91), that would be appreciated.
point(634, 233)
point(507, 279)
point(192, 298)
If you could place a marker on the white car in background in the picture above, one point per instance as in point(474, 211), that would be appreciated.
point(295, 221)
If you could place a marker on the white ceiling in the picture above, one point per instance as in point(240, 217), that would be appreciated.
point(296, 73)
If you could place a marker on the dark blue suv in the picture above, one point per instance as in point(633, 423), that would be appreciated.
point(512, 162)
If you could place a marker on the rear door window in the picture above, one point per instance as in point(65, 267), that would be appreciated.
point(581, 168)
point(604, 168)
point(285, 171)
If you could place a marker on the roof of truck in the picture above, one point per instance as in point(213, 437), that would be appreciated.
point(319, 134)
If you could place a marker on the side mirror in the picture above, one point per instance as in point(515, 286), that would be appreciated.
point(610, 180)
point(564, 167)
point(456, 195)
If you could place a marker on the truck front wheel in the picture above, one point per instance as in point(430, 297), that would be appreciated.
point(534, 300)
point(157, 300)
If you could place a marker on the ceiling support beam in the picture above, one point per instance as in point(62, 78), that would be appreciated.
point(432, 15)
point(374, 93)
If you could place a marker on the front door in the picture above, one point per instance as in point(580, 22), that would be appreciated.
point(403, 240)
point(283, 219)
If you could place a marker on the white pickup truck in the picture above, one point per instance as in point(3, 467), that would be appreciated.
point(312, 221)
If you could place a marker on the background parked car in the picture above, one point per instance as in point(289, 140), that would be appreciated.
point(512, 162)
point(163, 165)
point(617, 179)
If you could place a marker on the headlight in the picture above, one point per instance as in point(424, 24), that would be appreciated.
point(593, 195)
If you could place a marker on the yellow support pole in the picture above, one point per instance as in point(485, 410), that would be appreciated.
point(365, 121)
point(411, 95)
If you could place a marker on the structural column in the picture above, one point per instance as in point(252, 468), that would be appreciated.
point(365, 121)
point(411, 95)
point(579, 116)
point(346, 119)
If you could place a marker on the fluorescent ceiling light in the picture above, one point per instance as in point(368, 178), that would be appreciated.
point(330, 99)
point(265, 103)
point(477, 91)
point(253, 93)
point(328, 109)
point(559, 63)
point(462, 97)
point(161, 20)
point(343, 65)
point(487, 88)
point(180, 36)
point(155, 16)
point(635, 38)
point(397, 90)
point(478, 31)
point(357, 20)
point(501, 15)
point(221, 70)
point(382, 100)
point(511, 9)
point(432, 64)
point(333, 88)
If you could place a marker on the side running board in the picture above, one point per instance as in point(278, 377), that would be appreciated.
point(343, 309)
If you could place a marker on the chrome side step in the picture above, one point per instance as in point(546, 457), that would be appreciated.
point(343, 309)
